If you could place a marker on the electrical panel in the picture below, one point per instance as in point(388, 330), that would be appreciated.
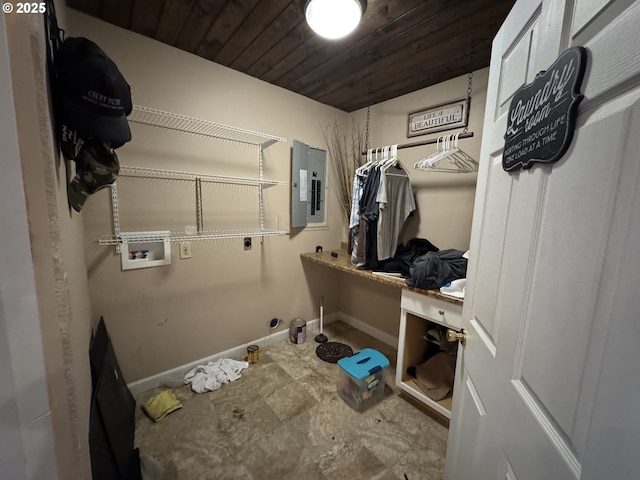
point(308, 184)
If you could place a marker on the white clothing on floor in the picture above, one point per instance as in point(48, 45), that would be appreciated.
point(213, 375)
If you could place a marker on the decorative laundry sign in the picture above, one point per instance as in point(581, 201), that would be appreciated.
point(542, 115)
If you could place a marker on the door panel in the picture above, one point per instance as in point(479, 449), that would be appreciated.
point(475, 419)
point(558, 329)
point(523, 14)
point(613, 53)
point(490, 253)
point(514, 68)
point(586, 11)
point(476, 411)
point(615, 424)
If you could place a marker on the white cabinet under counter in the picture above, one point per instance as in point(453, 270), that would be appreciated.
point(420, 314)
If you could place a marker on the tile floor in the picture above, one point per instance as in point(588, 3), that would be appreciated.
point(283, 419)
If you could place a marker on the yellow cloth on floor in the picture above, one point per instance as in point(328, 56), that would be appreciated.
point(161, 405)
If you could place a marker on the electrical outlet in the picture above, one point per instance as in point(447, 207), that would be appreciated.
point(247, 243)
point(185, 250)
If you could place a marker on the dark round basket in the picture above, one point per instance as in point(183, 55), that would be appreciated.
point(333, 351)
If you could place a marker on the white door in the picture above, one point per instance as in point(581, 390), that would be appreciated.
point(548, 384)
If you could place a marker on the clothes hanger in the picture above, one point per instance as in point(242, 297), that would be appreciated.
point(424, 162)
point(437, 160)
point(394, 161)
point(449, 159)
point(466, 158)
point(392, 157)
point(384, 157)
point(389, 159)
point(363, 170)
point(461, 158)
point(432, 160)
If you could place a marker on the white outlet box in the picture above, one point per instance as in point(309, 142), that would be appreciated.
point(185, 250)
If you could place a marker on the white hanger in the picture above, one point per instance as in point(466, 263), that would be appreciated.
point(424, 162)
point(385, 156)
point(394, 160)
point(462, 158)
point(448, 159)
point(363, 170)
point(446, 149)
point(392, 156)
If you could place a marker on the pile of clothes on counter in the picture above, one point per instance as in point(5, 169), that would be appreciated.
point(425, 266)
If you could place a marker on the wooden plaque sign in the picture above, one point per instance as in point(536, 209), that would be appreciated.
point(445, 116)
point(542, 114)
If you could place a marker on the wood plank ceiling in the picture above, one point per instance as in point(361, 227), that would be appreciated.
point(399, 47)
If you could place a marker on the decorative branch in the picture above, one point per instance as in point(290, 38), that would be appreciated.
point(345, 158)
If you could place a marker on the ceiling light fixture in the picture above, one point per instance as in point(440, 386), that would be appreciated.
point(333, 19)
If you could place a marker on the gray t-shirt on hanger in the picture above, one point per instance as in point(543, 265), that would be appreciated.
point(396, 201)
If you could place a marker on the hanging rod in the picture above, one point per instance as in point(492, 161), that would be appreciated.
point(425, 142)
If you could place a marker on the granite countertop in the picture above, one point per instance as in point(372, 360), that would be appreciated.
point(343, 263)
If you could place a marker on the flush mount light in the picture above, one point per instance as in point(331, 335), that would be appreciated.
point(333, 19)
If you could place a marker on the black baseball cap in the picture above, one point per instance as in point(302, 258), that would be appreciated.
point(94, 96)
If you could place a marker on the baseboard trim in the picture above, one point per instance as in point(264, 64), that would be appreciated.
point(369, 330)
point(175, 377)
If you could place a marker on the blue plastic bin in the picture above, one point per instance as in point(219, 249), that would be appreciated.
point(361, 378)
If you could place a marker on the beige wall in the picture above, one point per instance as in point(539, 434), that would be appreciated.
point(59, 267)
point(163, 317)
point(444, 200)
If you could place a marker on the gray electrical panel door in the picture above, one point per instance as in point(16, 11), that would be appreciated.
point(308, 183)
